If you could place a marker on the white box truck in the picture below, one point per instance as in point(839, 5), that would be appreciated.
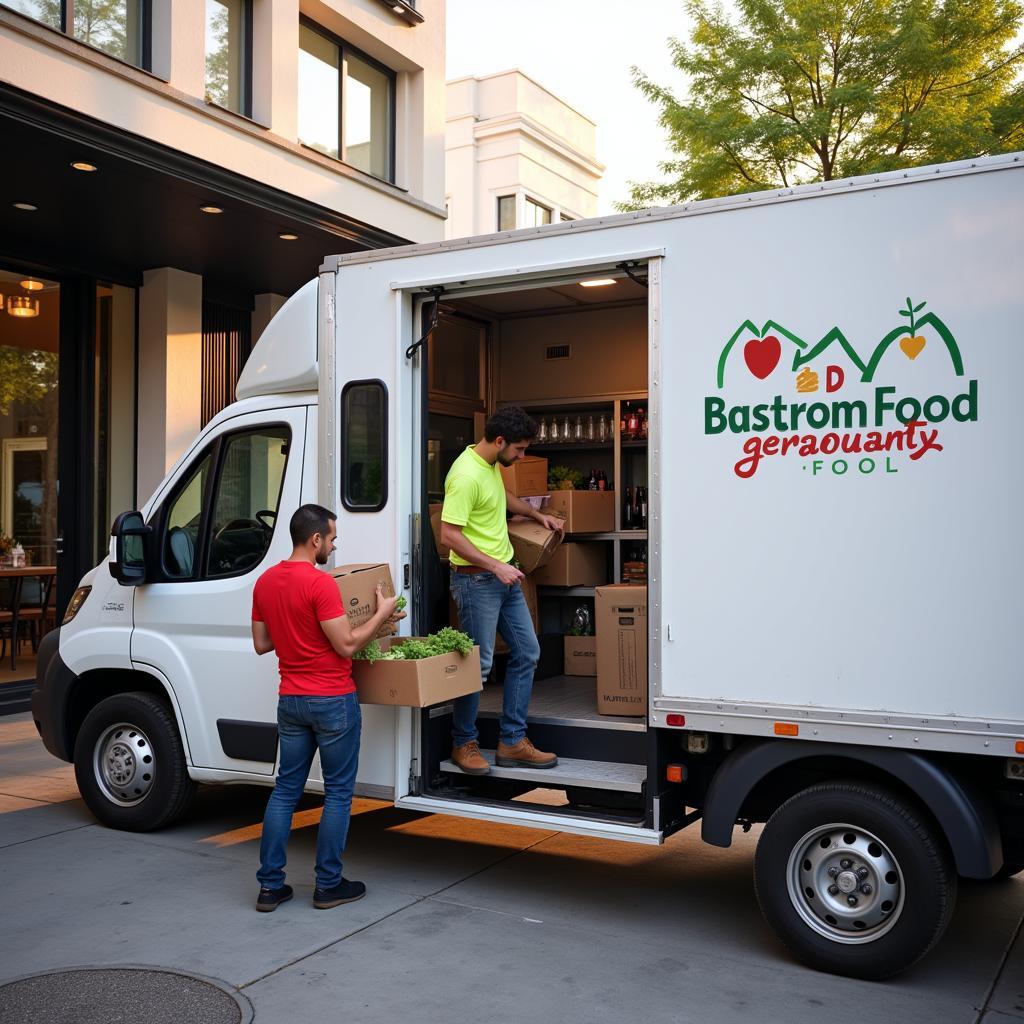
point(833, 545)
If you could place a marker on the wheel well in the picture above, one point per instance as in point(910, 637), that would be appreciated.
point(771, 792)
point(93, 687)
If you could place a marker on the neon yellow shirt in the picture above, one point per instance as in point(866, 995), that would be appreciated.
point(474, 498)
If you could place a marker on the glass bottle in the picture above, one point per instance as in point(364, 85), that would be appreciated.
point(591, 433)
point(577, 430)
point(542, 431)
point(642, 425)
point(554, 436)
point(602, 480)
point(602, 429)
point(566, 429)
point(624, 425)
point(627, 509)
point(632, 425)
point(642, 502)
point(592, 481)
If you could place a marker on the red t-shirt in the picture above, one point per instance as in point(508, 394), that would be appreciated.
point(293, 598)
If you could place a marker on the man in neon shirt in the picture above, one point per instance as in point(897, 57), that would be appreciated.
point(486, 590)
point(297, 611)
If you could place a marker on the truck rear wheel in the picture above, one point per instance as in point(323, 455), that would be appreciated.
point(854, 880)
point(130, 763)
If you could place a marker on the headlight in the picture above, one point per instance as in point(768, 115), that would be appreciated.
point(76, 602)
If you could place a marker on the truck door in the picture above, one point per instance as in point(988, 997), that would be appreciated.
point(222, 521)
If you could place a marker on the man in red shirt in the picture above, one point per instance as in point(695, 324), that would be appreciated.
point(297, 611)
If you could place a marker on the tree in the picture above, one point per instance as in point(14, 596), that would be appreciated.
point(796, 91)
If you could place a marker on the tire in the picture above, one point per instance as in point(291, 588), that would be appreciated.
point(130, 764)
point(818, 850)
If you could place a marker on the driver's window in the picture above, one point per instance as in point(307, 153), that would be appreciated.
point(246, 500)
point(181, 534)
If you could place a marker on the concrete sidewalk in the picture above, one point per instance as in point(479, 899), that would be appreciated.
point(464, 921)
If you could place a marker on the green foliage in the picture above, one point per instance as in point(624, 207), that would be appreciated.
point(401, 603)
point(26, 375)
point(558, 474)
point(797, 91)
point(444, 641)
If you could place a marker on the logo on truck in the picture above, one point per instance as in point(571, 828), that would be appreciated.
point(861, 434)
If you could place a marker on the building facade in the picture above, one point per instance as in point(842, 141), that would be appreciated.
point(172, 172)
point(516, 156)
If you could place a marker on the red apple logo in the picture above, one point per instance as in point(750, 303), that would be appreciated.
point(762, 355)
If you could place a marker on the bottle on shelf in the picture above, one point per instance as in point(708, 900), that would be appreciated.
point(566, 430)
point(542, 430)
point(592, 482)
point(635, 513)
point(602, 429)
point(577, 430)
point(591, 433)
point(554, 434)
point(642, 502)
point(602, 480)
point(627, 509)
point(642, 425)
point(632, 426)
point(624, 425)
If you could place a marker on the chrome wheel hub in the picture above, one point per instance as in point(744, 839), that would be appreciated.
point(845, 884)
point(124, 764)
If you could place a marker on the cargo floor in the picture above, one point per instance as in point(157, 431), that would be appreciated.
point(562, 700)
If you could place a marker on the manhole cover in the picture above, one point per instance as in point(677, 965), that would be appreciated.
point(120, 995)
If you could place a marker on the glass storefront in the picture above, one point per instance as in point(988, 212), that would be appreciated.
point(29, 362)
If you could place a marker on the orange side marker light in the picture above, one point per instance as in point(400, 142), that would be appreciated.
point(675, 772)
point(1020, 747)
point(787, 729)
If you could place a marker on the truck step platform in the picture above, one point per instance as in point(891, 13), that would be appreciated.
point(623, 778)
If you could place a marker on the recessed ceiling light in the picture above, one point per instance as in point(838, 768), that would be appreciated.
point(81, 165)
point(286, 236)
point(25, 206)
point(398, 9)
point(211, 209)
point(32, 285)
point(598, 282)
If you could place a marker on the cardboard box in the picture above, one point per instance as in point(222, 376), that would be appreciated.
point(416, 684)
point(621, 616)
point(575, 565)
point(584, 511)
point(532, 543)
point(357, 584)
point(528, 476)
point(434, 511)
point(580, 655)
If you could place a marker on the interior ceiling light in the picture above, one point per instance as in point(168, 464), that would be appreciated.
point(398, 8)
point(287, 236)
point(25, 206)
point(81, 165)
point(597, 282)
point(22, 305)
point(31, 285)
point(211, 209)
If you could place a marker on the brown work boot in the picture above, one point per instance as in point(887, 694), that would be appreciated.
point(523, 755)
point(469, 758)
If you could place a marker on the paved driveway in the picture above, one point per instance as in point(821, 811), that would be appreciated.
point(464, 922)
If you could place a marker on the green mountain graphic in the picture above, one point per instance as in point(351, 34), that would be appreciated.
point(804, 354)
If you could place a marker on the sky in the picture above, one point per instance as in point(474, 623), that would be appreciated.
point(582, 52)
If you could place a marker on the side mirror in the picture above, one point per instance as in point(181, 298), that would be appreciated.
point(131, 543)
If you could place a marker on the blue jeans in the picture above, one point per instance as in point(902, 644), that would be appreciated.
point(306, 724)
point(486, 606)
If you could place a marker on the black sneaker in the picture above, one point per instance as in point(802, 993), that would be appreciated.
point(344, 892)
point(268, 899)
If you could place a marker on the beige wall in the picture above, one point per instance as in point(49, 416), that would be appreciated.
point(507, 135)
point(168, 105)
point(609, 355)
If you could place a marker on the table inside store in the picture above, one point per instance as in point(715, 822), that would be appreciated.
point(47, 574)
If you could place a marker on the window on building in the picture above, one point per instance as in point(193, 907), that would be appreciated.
point(117, 27)
point(536, 214)
point(346, 103)
point(228, 54)
point(506, 213)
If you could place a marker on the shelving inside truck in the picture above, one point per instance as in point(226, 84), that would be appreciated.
point(566, 353)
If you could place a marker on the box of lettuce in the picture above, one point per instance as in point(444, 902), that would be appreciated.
point(417, 672)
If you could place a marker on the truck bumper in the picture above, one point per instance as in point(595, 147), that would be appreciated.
point(54, 682)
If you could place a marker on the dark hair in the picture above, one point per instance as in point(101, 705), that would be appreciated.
point(310, 519)
point(512, 424)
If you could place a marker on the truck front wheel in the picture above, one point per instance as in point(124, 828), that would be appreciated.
point(130, 763)
point(854, 880)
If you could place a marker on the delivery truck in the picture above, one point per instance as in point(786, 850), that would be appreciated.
point(815, 391)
